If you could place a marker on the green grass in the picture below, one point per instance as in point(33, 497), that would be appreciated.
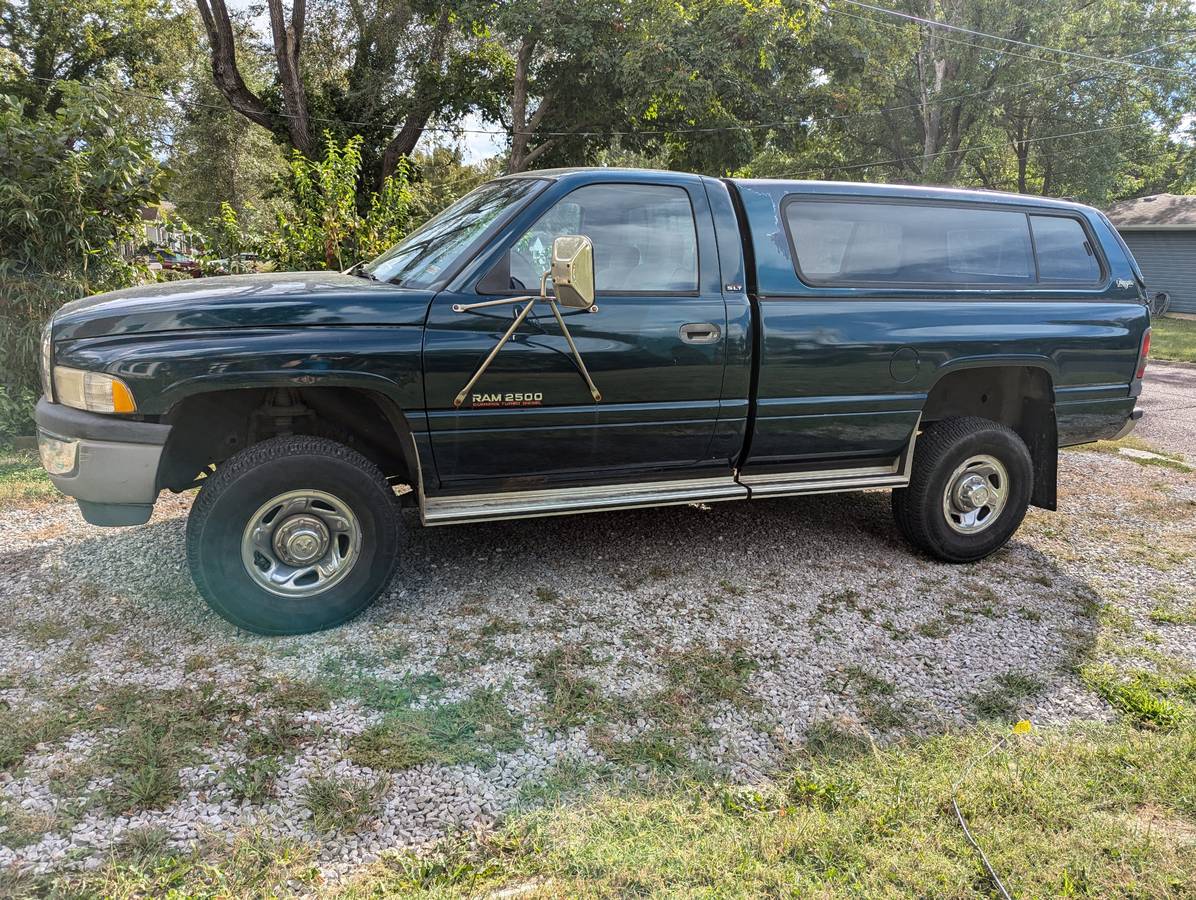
point(1162, 458)
point(468, 731)
point(252, 865)
point(1170, 614)
point(1005, 698)
point(572, 698)
point(1164, 700)
point(1102, 811)
point(1172, 338)
point(22, 479)
point(342, 804)
point(417, 726)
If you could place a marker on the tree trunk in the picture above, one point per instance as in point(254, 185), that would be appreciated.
point(287, 40)
point(423, 105)
point(227, 76)
point(519, 130)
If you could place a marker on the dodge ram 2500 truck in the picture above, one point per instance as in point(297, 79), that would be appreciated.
point(597, 339)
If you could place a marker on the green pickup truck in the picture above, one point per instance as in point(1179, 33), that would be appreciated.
point(598, 339)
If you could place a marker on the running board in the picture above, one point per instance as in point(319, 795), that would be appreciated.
point(598, 498)
point(562, 501)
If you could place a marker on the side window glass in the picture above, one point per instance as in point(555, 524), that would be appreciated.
point(644, 239)
point(864, 243)
point(1064, 252)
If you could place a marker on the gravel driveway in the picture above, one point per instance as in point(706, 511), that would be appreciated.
point(1169, 404)
point(508, 656)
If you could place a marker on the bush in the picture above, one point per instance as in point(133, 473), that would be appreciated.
point(73, 183)
point(16, 412)
point(326, 229)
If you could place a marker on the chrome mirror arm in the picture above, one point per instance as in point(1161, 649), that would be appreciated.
point(519, 319)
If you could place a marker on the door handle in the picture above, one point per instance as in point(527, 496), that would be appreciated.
point(700, 333)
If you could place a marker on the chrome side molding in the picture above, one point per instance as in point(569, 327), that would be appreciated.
point(598, 498)
point(559, 501)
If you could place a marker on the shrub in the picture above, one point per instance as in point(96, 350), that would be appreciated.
point(74, 181)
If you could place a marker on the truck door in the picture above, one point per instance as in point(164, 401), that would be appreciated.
point(655, 348)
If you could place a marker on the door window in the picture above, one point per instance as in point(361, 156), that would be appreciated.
point(1064, 253)
point(644, 239)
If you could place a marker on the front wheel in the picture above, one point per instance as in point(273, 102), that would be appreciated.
point(969, 489)
point(292, 535)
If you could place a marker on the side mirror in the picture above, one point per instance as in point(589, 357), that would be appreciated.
point(573, 271)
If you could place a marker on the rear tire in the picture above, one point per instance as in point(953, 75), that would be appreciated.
point(292, 535)
point(968, 492)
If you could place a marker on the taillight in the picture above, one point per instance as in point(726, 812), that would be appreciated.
point(1143, 353)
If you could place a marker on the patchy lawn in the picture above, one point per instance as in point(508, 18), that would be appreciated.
point(22, 479)
point(1173, 338)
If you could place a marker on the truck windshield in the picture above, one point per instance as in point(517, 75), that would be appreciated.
point(423, 256)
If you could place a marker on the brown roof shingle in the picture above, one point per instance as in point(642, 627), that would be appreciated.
point(1158, 210)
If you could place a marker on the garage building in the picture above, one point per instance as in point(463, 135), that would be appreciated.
point(1161, 232)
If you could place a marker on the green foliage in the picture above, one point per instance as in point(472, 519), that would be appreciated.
point(72, 186)
point(468, 731)
point(342, 804)
point(323, 227)
point(16, 411)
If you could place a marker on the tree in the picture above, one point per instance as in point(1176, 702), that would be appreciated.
point(217, 156)
point(74, 182)
point(388, 70)
point(323, 228)
point(59, 41)
point(914, 102)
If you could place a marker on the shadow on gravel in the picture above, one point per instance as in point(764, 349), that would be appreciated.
point(841, 619)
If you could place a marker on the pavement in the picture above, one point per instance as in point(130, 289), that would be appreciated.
point(1168, 402)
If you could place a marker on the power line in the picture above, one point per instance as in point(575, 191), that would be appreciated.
point(934, 23)
point(806, 120)
point(925, 156)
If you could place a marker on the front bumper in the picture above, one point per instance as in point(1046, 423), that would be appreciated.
point(108, 464)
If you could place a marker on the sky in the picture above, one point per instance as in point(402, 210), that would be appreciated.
point(474, 147)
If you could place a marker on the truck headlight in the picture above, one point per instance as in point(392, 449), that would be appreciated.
point(92, 391)
point(47, 359)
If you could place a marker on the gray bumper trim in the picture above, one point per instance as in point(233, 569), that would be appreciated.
point(112, 472)
point(115, 478)
point(75, 424)
point(1129, 423)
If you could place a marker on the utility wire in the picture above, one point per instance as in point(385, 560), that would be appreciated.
point(988, 866)
point(934, 23)
point(1125, 60)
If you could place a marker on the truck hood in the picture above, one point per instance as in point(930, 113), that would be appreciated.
point(266, 300)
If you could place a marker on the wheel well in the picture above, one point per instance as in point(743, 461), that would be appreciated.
point(209, 428)
point(1022, 397)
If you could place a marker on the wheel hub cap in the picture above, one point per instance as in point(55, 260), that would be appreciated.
point(301, 539)
point(975, 494)
point(972, 493)
point(301, 543)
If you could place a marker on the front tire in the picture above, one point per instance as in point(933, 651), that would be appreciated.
point(969, 489)
point(292, 535)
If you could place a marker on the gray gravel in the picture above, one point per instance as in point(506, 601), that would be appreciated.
point(1169, 405)
point(819, 592)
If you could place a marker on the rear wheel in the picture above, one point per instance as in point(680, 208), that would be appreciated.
point(969, 489)
point(292, 535)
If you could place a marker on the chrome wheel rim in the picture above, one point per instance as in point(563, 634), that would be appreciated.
point(301, 543)
point(976, 494)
